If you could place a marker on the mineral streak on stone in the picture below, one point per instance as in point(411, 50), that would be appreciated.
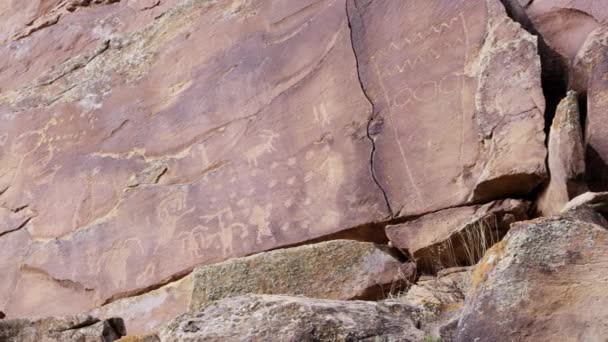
point(458, 106)
point(176, 142)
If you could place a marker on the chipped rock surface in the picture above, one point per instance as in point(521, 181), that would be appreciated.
point(284, 318)
point(457, 236)
point(467, 66)
point(546, 281)
point(66, 329)
point(338, 269)
point(440, 300)
point(566, 158)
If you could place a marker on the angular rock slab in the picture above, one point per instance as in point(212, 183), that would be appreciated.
point(546, 281)
point(566, 158)
point(283, 318)
point(590, 75)
point(189, 141)
point(147, 312)
point(457, 100)
point(339, 269)
point(597, 201)
point(67, 329)
point(457, 236)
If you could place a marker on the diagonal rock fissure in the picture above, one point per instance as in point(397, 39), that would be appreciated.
point(143, 290)
point(66, 283)
point(21, 226)
point(370, 121)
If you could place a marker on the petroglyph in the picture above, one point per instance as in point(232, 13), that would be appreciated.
point(260, 217)
point(321, 115)
point(253, 154)
point(224, 227)
point(171, 210)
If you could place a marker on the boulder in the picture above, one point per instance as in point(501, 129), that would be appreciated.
point(457, 236)
point(283, 318)
point(590, 76)
point(565, 24)
point(338, 269)
point(458, 103)
point(566, 158)
point(546, 281)
point(181, 135)
point(149, 311)
point(440, 300)
point(66, 329)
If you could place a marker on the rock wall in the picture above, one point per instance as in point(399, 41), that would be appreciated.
point(254, 140)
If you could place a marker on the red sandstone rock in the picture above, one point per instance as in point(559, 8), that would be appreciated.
point(219, 130)
point(458, 106)
point(566, 158)
point(565, 24)
point(457, 236)
point(590, 76)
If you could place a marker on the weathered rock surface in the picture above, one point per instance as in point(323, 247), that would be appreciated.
point(590, 75)
point(545, 282)
point(147, 312)
point(440, 301)
point(283, 318)
point(468, 66)
point(457, 236)
point(566, 158)
point(157, 142)
point(565, 24)
point(337, 269)
point(67, 329)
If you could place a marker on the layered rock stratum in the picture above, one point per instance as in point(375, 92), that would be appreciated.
point(313, 169)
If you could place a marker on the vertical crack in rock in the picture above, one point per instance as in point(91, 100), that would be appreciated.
point(369, 134)
point(554, 70)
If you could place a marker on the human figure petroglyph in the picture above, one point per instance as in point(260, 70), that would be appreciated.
point(321, 116)
point(171, 210)
point(267, 146)
point(115, 260)
point(224, 229)
point(260, 217)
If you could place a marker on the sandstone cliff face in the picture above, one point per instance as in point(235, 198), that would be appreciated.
point(157, 156)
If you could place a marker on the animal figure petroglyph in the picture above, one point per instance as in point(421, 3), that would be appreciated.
point(267, 146)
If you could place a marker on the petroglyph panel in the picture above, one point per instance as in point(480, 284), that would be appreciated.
point(193, 140)
point(421, 64)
